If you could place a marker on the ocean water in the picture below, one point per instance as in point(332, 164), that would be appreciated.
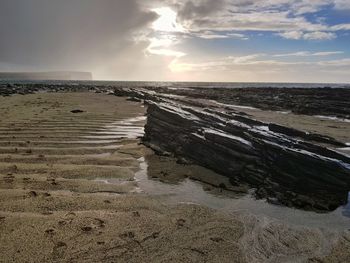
point(179, 85)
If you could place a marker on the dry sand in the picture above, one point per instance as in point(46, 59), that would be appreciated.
point(56, 207)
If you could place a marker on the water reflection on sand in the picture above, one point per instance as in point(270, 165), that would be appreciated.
point(189, 191)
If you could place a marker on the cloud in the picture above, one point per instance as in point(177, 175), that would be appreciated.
point(309, 54)
point(342, 4)
point(261, 61)
point(254, 21)
point(288, 17)
point(296, 35)
point(211, 36)
point(219, 35)
point(166, 33)
point(166, 21)
point(297, 7)
point(208, 20)
point(244, 59)
point(65, 34)
point(345, 62)
point(316, 35)
point(340, 27)
point(166, 52)
point(193, 9)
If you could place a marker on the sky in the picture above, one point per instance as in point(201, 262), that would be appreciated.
point(180, 40)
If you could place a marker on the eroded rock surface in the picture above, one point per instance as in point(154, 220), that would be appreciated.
point(311, 101)
point(281, 167)
point(285, 165)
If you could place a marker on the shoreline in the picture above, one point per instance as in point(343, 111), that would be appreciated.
point(53, 209)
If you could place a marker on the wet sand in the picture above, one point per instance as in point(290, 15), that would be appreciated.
point(75, 188)
point(57, 207)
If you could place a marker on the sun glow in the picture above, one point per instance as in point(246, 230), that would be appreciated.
point(167, 21)
point(166, 33)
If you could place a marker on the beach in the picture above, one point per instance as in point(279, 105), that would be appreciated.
point(78, 184)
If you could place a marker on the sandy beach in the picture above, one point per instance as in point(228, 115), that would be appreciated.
point(71, 191)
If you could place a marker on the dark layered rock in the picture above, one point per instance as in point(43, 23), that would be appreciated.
point(309, 101)
point(281, 163)
point(305, 135)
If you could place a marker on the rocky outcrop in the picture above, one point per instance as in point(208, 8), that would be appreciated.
point(282, 164)
point(309, 101)
point(22, 89)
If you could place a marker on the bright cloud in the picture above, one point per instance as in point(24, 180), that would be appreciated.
point(296, 35)
point(219, 35)
point(165, 33)
point(308, 54)
point(167, 21)
point(316, 35)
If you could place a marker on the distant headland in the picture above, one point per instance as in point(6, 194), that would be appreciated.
point(54, 75)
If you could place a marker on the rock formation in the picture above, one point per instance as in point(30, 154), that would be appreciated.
point(282, 164)
point(310, 101)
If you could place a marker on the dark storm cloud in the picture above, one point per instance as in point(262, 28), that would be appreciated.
point(196, 9)
point(67, 34)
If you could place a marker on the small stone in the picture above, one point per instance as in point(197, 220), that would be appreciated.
point(181, 222)
point(136, 214)
point(77, 111)
point(32, 194)
point(50, 231)
point(86, 228)
point(129, 234)
point(216, 239)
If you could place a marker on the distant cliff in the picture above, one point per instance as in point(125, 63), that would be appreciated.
point(59, 75)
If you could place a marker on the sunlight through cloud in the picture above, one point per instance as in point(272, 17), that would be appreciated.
point(167, 21)
point(166, 30)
